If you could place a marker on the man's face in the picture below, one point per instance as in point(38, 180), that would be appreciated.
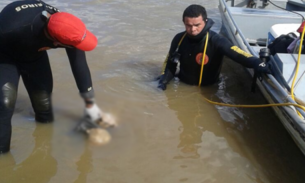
point(194, 25)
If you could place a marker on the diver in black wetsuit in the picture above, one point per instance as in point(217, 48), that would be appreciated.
point(187, 49)
point(27, 29)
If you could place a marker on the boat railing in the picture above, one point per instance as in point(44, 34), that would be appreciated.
point(252, 51)
point(237, 31)
point(284, 93)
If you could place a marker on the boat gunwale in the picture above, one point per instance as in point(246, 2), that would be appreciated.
point(299, 124)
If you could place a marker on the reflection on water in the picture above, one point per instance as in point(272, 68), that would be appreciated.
point(84, 166)
point(171, 136)
point(39, 166)
point(205, 142)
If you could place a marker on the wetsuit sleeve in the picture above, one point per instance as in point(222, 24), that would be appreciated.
point(169, 67)
point(80, 69)
point(235, 53)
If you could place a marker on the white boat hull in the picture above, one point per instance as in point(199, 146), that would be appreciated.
point(271, 89)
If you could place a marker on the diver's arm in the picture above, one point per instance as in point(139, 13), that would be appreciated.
point(167, 73)
point(169, 66)
point(80, 69)
point(165, 79)
point(234, 52)
point(240, 56)
point(83, 80)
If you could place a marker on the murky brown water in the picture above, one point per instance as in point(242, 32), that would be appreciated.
point(171, 136)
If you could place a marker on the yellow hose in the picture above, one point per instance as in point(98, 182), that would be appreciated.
point(298, 64)
point(250, 106)
point(181, 40)
point(297, 68)
point(203, 57)
point(253, 106)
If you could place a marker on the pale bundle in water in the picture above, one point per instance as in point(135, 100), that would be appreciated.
point(95, 130)
point(98, 136)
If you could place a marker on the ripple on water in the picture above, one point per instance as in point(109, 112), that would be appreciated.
point(134, 81)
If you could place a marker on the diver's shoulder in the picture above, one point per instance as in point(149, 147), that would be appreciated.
point(179, 35)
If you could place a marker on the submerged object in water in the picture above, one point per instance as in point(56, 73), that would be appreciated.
point(96, 134)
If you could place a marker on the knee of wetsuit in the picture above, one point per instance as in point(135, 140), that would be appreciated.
point(9, 96)
point(41, 101)
point(5, 139)
point(4, 150)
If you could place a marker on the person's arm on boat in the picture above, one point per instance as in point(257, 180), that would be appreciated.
point(240, 56)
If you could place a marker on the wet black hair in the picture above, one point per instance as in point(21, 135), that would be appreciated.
point(195, 10)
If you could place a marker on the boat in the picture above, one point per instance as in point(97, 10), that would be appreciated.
point(252, 25)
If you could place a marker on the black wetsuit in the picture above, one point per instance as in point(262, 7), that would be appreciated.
point(191, 51)
point(22, 53)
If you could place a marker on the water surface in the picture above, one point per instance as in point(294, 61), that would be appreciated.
point(171, 136)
